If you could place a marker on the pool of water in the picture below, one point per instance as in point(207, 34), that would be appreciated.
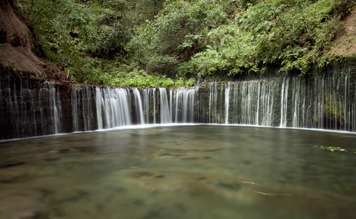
point(180, 172)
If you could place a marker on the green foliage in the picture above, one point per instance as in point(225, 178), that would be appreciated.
point(177, 32)
point(147, 81)
point(295, 34)
point(183, 69)
point(133, 75)
point(190, 83)
point(141, 42)
point(232, 52)
point(179, 82)
point(73, 33)
point(331, 148)
point(14, 68)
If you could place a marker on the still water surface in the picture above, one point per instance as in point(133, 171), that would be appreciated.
point(180, 172)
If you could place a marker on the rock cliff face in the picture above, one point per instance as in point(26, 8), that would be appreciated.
point(345, 42)
point(17, 58)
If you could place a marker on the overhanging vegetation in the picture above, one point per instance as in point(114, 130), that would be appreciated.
point(146, 43)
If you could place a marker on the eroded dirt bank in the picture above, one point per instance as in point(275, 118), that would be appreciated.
point(17, 58)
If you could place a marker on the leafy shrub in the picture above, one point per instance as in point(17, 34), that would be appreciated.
point(179, 82)
point(190, 83)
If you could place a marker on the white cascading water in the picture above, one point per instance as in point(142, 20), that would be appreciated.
point(284, 102)
point(258, 103)
point(171, 105)
point(165, 109)
point(154, 106)
point(319, 102)
point(184, 104)
point(99, 103)
point(146, 105)
point(178, 96)
point(50, 103)
point(324, 101)
point(139, 109)
point(227, 103)
point(112, 107)
point(56, 108)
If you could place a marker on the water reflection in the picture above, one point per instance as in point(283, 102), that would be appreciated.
point(180, 172)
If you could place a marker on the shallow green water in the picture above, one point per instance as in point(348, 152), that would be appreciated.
point(180, 172)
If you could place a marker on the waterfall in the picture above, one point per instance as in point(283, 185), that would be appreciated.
point(28, 109)
point(184, 104)
point(74, 102)
point(171, 105)
point(267, 103)
point(191, 99)
point(88, 115)
point(258, 103)
point(325, 101)
point(99, 103)
point(177, 96)
point(154, 106)
point(165, 113)
point(112, 107)
point(284, 102)
point(227, 101)
point(210, 103)
point(146, 105)
point(56, 108)
point(50, 106)
point(83, 110)
point(139, 109)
